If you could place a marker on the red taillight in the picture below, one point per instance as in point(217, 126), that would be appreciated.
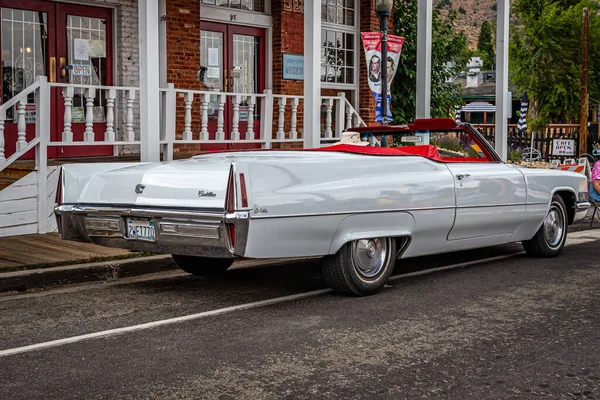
point(230, 196)
point(243, 189)
point(231, 232)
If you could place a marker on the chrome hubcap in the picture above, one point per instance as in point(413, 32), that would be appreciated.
point(553, 227)
point(369, 256)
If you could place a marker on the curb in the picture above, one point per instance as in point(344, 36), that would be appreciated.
point(21, 281)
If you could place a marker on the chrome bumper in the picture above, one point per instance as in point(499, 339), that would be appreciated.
point(188, 232)
point(581, 210)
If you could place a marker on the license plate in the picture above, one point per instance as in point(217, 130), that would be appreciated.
point(141, 229)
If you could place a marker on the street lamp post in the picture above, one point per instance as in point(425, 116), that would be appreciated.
point(383, 9)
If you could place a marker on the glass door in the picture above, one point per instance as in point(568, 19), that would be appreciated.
point(232, 60)
point(27, 48)
point(84, 51)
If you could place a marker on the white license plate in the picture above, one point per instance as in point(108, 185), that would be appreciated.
point(141, 229)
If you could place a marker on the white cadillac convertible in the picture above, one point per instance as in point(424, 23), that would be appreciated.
point(435, 187)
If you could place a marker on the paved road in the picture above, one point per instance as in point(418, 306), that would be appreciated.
point(508, 328)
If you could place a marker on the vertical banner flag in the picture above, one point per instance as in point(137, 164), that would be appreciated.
point(522, 125)
point(372, 47)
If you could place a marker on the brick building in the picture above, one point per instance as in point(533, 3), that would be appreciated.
point(241, 46)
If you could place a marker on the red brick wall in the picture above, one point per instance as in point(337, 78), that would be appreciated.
point(288, 37)
point(183, 61)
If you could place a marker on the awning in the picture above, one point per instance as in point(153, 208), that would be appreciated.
point(479, 106)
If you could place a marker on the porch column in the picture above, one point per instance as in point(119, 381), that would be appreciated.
point(425, 12)
point(501, 137)
point(312, 74)
point(148, 18)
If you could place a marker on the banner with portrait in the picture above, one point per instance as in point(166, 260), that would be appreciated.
point(372, 48)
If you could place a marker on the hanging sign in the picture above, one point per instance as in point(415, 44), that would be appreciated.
point(563, 147)
point(372, 48)
point(81, 70)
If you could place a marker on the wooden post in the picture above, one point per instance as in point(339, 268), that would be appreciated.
point(583, 114)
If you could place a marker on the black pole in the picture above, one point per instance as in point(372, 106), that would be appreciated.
point(383, 17)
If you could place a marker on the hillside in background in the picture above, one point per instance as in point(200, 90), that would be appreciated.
point(470, 15)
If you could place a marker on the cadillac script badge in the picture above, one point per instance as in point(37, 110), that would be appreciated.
point(202, 193)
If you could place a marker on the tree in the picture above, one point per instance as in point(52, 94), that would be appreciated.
point(449, 55)
point(545, 57)
point(485, 46)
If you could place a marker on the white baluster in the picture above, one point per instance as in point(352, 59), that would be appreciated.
point(293, 128)
point(129, 120)
point(356, 122)
point(250, 132)
point(2, 119)
point(21, 126)
point(235, 131)
point(281, 119)
point(205, 100)
point(220, 118)
point(349, 119)
point(67, 135)
point(328, 117)
point(89, 115)
point(187, 120)
point(109, 135)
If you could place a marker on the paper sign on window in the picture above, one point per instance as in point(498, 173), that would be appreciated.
point(213, 57)
point(81, 50)
point(97, 48)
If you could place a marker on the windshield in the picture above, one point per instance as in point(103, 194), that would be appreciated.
point(450, 143)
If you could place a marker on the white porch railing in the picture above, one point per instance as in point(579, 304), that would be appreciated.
point(187, 117)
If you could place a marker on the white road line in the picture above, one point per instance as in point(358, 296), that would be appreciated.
point(453, 266)
point(221, 311)
point(150, 325)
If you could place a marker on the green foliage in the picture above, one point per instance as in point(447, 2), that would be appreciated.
point(514, 155)
point(447, 47)
point(462, 10)
point(545, 56)
point(485, 46)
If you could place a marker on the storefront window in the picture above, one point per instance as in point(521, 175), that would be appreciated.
point(247, 5)
point(338, 36)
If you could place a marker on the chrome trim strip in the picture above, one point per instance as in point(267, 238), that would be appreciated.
point(582, 205)
point(146, 211)
point(384, 211)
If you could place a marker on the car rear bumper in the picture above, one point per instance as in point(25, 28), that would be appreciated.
point(581, 210)
point(206, 233)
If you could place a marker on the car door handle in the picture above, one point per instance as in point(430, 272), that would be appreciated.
point(462, 176)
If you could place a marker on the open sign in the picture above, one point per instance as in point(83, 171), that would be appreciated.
point(563, 147)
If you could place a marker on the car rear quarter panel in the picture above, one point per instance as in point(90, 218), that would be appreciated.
point(313, 207)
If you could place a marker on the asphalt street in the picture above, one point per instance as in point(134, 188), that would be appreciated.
point(484, 324)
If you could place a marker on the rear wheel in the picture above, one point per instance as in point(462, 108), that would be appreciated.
point(202, 266)
point(361, 267)
point(550, 238)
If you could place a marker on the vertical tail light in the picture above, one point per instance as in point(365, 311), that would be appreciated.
point(230, 196)
point(230, 207)
point(243, 190)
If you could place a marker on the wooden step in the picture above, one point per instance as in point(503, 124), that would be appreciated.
point(6, 182)
point(15, 173)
